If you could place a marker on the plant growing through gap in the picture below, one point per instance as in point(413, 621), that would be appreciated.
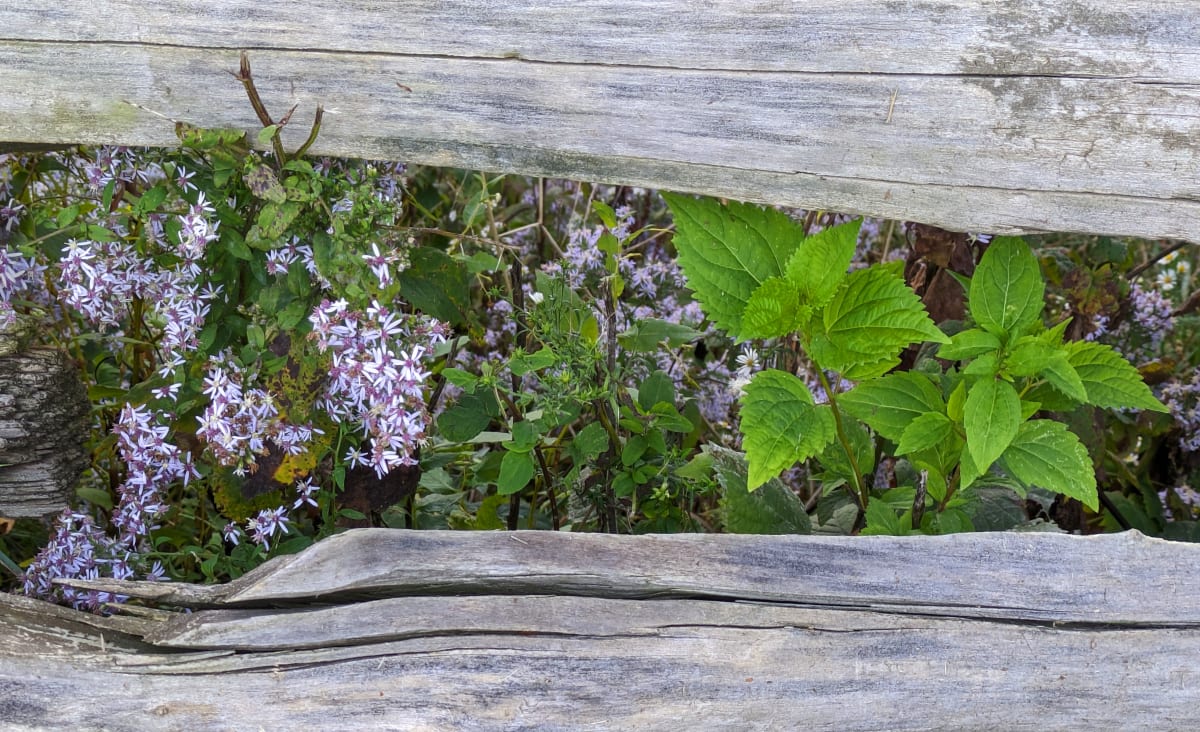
point(968, 414)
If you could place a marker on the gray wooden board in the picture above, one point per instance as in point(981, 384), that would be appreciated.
point(542, 630)
point(43, 422)
point(1106, 579)
point(999, 116)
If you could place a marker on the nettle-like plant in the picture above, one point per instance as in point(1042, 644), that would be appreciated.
point(967, 415)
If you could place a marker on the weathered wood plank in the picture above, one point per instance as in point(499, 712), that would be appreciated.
point(620, 657)
point(997, 116)
point(1126, 578)
point(43, 423)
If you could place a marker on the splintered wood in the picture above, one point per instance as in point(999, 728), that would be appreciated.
point(473, 630)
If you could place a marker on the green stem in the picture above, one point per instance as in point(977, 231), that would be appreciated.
point(860, 489)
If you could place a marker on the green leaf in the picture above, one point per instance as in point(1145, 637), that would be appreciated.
point(1063, 376)
point(465, 419)
point(870, 320)
point(1046, 454)
point(773, 310)
point(149, 201)
point(436, 284)
point(1029, 356)
point(699, 467)
point(635, 448)
point(1007, 291)
point(991, 417)
point(667, 417)
point(647, 336)
point(462, 379)
point(727, 252)
point(266, 134)
point(928, 430)
point(589, 443)
point(969, 344)
point(516, 470)
point(524, 363)
point(821, 261)
point(67, 215)
point(835, 462)
point(780, 425)
point(656, 388)
point(256, 336)
point(261, 181)
point(96, 497)
point(771, 509)
point(890, 403)
point(1109, 380)
point(607, 216)
point(955, 404)
point(882, 520)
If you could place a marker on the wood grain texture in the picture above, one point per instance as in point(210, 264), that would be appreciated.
point(43, 423)
point(990, 115)
point(526, 630)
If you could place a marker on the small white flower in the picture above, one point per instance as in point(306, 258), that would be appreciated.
point(748, 362)
point(536, 298)
point(1166, 280)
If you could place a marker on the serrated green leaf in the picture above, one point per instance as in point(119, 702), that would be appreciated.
point(1046, 454)
point(991, 417)
point(773, 310)
point(881, 520)
point(926, 431)
point(647, 336)
point(821, 261)
point(516, 470)
point(1063, 377)
point(726, 252)
point(987, 366)
point(771, 509)
point(853, 364)
point(969, 344)
point(890, 403)
point(1029, 356)
point(780, 425)
point(1007, 290)
point(872, 317)
point(1109, 380)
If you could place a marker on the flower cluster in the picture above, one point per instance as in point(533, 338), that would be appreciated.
point(19, 276)
point(100, 281)
point(1183, 399)
point(374, 381)
point(78, 548)
point(151, 465)
point(238, 422)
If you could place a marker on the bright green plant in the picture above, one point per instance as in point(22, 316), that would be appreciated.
point(966, 418)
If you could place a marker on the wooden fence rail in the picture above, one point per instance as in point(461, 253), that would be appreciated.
point(988, 115)
point(541, 630)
